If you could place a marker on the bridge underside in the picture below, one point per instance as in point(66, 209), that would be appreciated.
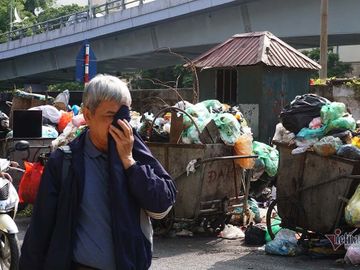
point(188, 35)
point(157, 59)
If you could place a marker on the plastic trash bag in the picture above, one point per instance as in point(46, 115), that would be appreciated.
point(327, 146)
point(301, 111)
point(183, 104)
point(253, 206)
point(352, 210)
point(229, 127)
point(308, 133)
point(349, 151)
point(282, 134)
point(332, 111)
point(352, 255)
point(30, 181)
point(49, 132)
point(346, 122)
point(285, 244)
point(76, 109)
point(231, 232)
point(79, 120)
point(243, 146)
point(49, 112)
point(4, 122)
point(275, 227)
point(212, 105)
point(63, 98)
point(315, 123)
point(356, 141)
point(255, 235)
point(269, 155)
point(65, 119)
point(198, 113)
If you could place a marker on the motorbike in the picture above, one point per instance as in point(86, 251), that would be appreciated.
point(9, 201)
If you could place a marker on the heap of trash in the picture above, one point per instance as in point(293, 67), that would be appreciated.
point(229, 121)
point(311, 122)
point(60, 121)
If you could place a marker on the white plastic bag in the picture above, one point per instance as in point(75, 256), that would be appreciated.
point(231, 232)
point(49, 112)
point(352, 255)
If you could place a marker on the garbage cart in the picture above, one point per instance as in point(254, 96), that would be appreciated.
point(312, 191)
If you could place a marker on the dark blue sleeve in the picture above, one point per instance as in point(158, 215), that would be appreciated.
point(38, 235)
point(149, 183)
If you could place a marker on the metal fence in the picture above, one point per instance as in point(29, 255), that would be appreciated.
point(87, 14)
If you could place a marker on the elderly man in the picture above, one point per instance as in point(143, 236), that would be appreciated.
point(97, 216)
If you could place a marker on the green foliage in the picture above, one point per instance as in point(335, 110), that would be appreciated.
point(71, 86)
point(336, 68)
point(53, 13)
point(161, 76)
point(30, 5)
point(25, 9)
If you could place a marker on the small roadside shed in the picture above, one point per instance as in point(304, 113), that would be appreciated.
point(257, 71)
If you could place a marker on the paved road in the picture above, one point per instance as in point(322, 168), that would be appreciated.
point(200, 253)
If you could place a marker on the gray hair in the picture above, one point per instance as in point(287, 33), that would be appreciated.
point(105, 88)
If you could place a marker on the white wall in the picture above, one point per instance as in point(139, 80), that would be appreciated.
point(349, 53)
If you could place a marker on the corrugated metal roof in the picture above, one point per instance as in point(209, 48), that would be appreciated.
point(254, 48)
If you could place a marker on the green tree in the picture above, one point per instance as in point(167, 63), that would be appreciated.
point(71, 86)
point(56, 12)
point(336, 68)
point(30, 5)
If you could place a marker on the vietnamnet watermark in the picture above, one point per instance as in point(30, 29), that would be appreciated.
point(337, 239)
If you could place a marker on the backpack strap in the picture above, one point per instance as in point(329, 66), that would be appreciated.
point(66, 162)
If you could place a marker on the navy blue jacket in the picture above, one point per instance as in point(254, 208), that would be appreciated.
point(48, 243)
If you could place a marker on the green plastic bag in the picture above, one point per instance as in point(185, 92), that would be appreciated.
point(212, 104)
point(269, 155)
point(332, 111)
point(308, 133)
point(275, 227)
point(352, 210)
point(229, 127)
point(198, 113)
point(253, 207)
point(346, 122)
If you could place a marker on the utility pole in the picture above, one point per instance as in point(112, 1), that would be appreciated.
point(323, 39)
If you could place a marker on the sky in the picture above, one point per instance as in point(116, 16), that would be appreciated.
point(69, 2)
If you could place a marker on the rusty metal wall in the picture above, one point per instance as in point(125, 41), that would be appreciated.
point(305, 196)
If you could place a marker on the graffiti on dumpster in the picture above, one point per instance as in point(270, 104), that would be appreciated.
point(220, 173)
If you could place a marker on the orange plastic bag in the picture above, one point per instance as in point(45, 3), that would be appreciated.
point(243, 146)
point(65, 119)
point(30, 181)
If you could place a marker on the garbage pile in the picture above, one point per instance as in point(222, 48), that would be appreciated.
point(61, 121)
point(230, 122)
point(314, 123)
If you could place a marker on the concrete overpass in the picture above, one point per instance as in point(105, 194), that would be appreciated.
point(132, 38)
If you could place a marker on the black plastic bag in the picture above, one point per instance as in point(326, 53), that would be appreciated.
point(301, 111)
point(255, 235)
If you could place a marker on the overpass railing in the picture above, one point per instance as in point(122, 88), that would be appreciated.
point(71, 19)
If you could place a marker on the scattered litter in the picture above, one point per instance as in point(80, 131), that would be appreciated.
point(231, 232)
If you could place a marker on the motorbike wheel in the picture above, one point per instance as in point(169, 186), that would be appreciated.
point(9, 251)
